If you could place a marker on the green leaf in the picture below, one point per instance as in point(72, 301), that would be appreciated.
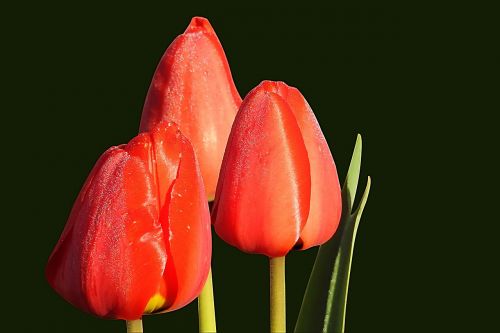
point(324, 304)
point(351, 180)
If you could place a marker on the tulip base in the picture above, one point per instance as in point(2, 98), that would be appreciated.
point(134, 326)
point(277, 288)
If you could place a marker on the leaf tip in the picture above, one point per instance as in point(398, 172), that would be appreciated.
point(358, 139)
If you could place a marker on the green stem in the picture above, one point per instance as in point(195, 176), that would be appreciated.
point(277, 286)
point(206, 308)
point(134, 326)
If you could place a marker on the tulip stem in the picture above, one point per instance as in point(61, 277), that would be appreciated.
point(277, 288)
point(134, 326)
point(206, 308)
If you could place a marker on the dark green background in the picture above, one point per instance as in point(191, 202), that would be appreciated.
point(76, 77)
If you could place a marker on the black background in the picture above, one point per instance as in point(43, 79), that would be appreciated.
point(75, 77)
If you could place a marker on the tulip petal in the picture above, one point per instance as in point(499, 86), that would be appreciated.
point(62, 271)
point(189, 228)
point(262, 201)
point(111, 256)
point(166, 156)
point(326, 200)
point(193, 87)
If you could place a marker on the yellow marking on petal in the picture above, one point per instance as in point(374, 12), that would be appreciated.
point(155, 303)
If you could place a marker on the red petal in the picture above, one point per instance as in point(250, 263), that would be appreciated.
point(193, 87)
point(166, 156)
point(263, 197)
point(188, 224)
point(111, 255)
point(326, 200)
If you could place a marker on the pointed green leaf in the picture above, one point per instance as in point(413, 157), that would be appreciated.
point(351, 180)
point(324, 303)
point(337, 295)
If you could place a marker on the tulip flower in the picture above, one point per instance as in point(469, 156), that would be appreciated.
point(193, 87)
point(278, 188)
point(137, 240)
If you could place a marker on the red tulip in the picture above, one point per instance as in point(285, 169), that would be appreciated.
point(278, 187)
point(193, 87)
point(138, 237)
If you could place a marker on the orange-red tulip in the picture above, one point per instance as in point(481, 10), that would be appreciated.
point(278, 188)
point(138, 237)
point(193, 87)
